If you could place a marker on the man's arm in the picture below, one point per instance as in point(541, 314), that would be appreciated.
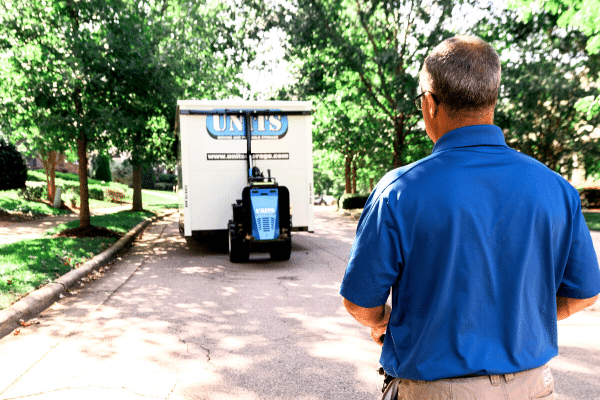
point(375, 318)
point(566, 306)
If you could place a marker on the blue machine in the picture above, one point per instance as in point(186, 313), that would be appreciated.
point(261, 222)
point(261, 218)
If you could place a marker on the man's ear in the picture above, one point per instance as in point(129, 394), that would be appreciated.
point(432, 107)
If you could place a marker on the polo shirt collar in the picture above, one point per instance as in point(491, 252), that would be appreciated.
point(467, 136)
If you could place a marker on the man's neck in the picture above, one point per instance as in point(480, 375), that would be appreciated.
point(446, 122)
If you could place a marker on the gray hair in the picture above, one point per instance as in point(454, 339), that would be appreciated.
point(464, 73)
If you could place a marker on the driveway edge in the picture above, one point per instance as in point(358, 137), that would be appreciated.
point(39, 300)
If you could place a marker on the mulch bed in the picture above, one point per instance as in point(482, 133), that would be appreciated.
point(89, 231)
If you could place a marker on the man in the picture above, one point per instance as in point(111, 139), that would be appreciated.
point(483, 248)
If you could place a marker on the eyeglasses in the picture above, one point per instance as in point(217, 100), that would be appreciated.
point(418, 102)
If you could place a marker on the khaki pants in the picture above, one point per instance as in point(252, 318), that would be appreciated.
point(525, 385)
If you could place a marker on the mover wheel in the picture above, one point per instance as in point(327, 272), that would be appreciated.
point(239, 251)
point(282, 251)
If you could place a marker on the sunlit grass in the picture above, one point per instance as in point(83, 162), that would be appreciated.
point(161, 199)
point(27, 265)
point(120, 222)
point(11, 201)
point(151, 199)
point(592, 220)
point(70, 179)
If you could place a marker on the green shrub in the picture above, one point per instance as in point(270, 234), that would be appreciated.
point(590, 198)
point(168, 178)
point(67, 176)
point(353, 201)
point(164, 186)
point(123, 173)
point(13, 167)
point(96, 193)
point(73, 199)
point(36, 176)
point(33, 193)
point(114, 195)
point(148, 177)
point(69, 188)
point(102, 170)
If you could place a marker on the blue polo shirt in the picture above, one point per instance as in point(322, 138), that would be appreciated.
point(475, 241)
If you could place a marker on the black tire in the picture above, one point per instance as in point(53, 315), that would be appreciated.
point(282, 251)
point(239, 251)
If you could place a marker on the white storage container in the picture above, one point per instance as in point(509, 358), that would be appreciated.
point(213, 168)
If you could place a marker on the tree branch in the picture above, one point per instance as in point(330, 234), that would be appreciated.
point(380, 72)
point(364, 25)
point(369, 87)
point(409, 24)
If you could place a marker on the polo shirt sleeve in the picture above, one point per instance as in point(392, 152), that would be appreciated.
point(375, 258)
point(581, 278)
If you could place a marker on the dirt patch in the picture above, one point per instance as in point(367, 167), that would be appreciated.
point(89, 231)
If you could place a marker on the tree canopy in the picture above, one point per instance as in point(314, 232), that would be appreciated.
point(105, 74)
point(572, 14)
point(359, 61)
point(56, 55)
point(578, 18)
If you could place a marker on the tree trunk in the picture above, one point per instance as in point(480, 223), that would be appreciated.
point(84, 205)
point(50, 160)
point(348, 174)
point(82, 140)
point(49, 184)
point(137, 188)
point(51, 176)
point(354, 177)
point(399, 138)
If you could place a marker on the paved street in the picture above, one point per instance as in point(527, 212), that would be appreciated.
point(188, 324)
point(173, 320)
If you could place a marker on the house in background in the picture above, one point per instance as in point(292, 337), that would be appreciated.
point(64, 166)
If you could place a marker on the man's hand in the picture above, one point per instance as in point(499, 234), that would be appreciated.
point(378, 333)
point(376, 318)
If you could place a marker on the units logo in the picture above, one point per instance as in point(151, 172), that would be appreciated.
point(264, 210)
point(221, 125)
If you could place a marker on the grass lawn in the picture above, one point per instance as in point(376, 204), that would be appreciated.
point(120, 222)
point(11, 201)
point(27, 265)
point(162, 199)
point(593, 220)
point(63, 179)
point(151, 200)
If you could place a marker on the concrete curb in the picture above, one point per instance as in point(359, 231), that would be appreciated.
point(39, 300)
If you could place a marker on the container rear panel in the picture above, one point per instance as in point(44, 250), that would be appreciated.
point(214, 166)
